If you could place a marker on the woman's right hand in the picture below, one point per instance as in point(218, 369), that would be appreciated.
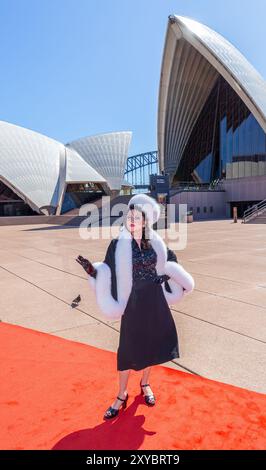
point(86, 264)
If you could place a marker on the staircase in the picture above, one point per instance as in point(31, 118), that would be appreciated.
point(255, 214)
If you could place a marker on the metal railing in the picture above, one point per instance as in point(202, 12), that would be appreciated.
point(254, 211)
point(215, 185)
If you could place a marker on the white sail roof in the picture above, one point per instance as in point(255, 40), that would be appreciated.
point(29, 164)
point(194, 56)
point(107, 153)
point(37, 167)
point(78, 170)
point(232, 59)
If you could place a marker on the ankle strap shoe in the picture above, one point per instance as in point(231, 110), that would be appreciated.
point(149, 399)
point(112, 412)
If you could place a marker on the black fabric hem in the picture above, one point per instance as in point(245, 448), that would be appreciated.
point(153, 363)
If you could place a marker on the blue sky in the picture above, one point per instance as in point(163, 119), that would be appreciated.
point(71, 68)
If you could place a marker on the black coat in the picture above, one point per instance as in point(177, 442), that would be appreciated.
point(110, 260)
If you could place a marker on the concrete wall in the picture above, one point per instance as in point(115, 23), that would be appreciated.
point(251, 188)
point(241, 189)
point(201, 199)
point(36, 219)
point(242, 169)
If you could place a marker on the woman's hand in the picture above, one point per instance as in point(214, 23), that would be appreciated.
point(162, 278)
point(86, 264)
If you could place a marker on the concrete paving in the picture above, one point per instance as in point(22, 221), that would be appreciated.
point(221, 325)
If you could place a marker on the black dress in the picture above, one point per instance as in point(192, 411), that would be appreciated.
point(148, 334)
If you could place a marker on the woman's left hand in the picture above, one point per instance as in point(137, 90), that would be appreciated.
point(162, 278)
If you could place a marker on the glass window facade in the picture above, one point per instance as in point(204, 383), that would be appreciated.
point(78, 194)
point(11, 204)
point(226, 142)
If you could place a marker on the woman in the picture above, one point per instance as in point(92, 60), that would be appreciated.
point(136, 282)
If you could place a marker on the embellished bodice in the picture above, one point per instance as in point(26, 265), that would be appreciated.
point(144, 262)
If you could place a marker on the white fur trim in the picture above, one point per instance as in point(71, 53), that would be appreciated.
point(179, 279)
point(113, 309)
point(176, 293)
point(110, 307)
point(123, 266)
point(180, 275)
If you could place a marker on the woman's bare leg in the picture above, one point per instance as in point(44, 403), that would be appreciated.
point(145, 380)
point(122, 393)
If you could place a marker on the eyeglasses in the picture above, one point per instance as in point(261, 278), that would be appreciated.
point(135, 217)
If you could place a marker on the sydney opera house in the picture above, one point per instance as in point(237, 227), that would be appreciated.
point(211, 128)
point(39, 175)
point(211, 119)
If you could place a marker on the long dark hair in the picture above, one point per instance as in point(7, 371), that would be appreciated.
point(145, 241)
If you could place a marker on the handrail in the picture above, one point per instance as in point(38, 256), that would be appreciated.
point(255, 206)
point(254, 211)
point(192, 185)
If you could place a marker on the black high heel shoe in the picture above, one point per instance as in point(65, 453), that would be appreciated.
point(149, 399)
point(112, 412)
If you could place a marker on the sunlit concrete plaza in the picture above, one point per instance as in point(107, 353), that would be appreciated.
point(221, 326)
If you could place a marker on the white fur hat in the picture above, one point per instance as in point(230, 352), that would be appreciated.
point(148, 205)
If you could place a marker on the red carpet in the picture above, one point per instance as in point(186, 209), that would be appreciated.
point(54, 393)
